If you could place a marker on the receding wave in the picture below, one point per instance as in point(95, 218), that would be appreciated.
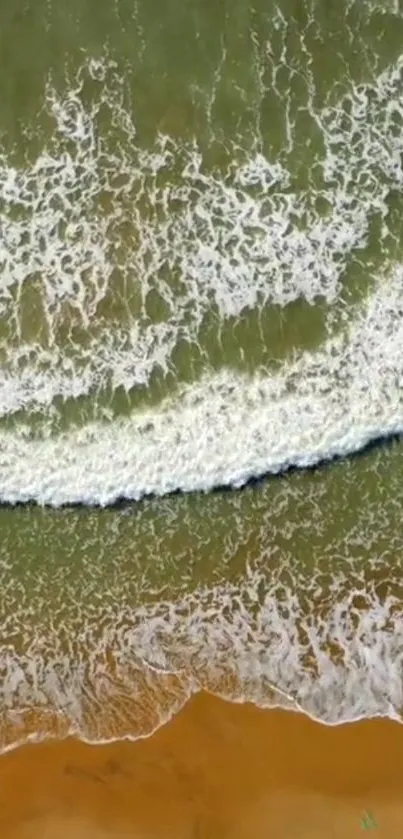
point(338, 666)
point(288, 594)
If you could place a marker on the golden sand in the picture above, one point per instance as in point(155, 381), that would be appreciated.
point(216, 771)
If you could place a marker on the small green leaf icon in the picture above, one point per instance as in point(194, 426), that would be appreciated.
point(368, 822)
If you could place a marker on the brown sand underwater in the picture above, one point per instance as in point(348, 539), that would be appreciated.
point(216, 771)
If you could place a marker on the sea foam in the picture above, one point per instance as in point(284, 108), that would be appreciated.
point(89, 222)
point(140, 669)
point(226, 429)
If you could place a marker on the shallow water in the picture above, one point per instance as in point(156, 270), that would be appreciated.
point(201, 284)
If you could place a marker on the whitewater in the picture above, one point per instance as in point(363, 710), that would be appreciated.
point(230, 428)
point(210, 245)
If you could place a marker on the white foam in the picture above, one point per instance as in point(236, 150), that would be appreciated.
point(128, 673)
point(245, 237)
point(228, 427)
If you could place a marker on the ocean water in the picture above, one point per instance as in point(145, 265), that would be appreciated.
point(201, 367)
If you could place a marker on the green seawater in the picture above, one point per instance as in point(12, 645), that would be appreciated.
point(201, 283)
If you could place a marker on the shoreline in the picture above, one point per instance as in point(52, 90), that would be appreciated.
point(217, 770)
point(70, 736)
point(60, 731)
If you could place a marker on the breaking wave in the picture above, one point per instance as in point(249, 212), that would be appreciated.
point(121, 257)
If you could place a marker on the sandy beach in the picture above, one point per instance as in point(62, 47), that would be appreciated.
point(216, 771)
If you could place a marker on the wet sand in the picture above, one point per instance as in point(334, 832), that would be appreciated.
point(216, 771)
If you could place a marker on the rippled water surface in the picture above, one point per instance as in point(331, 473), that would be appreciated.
point(201, 283)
